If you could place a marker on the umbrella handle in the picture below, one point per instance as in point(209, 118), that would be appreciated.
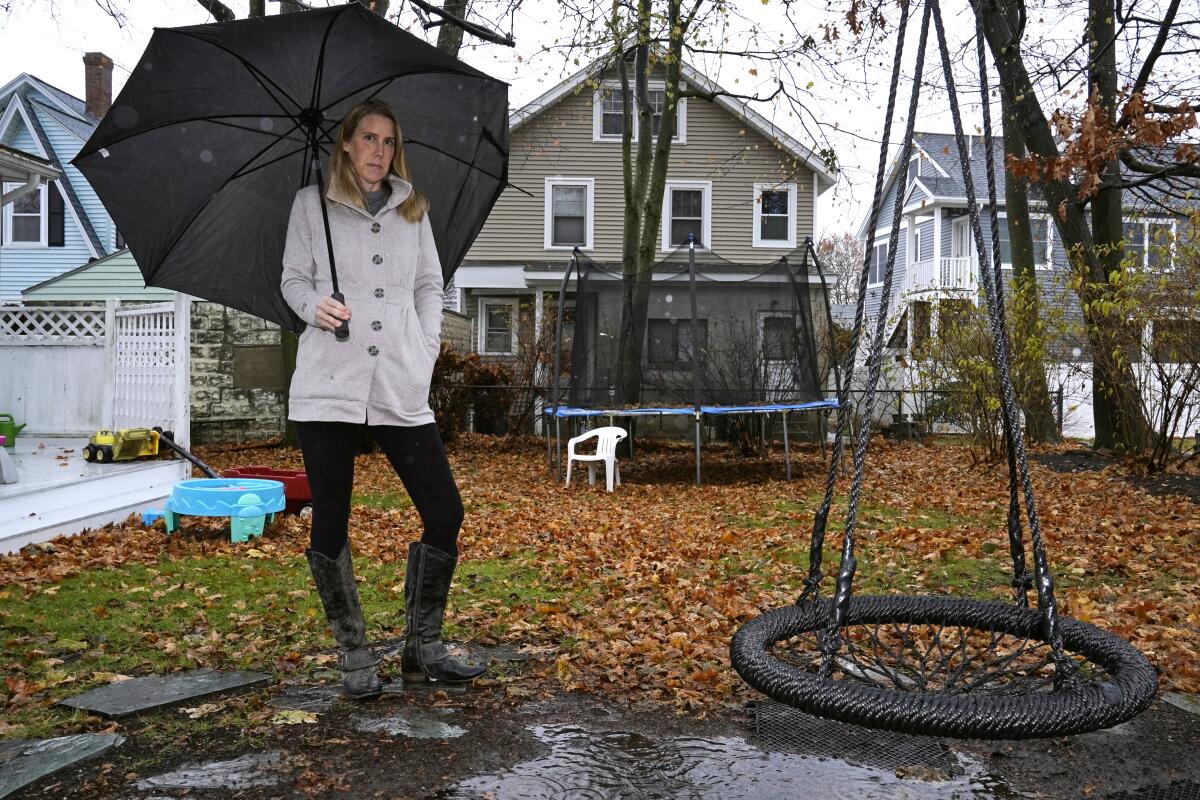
point(342, 331)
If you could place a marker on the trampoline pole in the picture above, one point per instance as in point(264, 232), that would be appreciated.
point(787, 451)
point(697, 448)
point(558, 443)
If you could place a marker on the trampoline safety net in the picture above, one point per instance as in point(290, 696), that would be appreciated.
point(712, 332)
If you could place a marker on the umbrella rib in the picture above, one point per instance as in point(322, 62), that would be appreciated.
point(316, 89)
point(250, 67)
point(214, 120)
point(243, 172)
point(463, 161)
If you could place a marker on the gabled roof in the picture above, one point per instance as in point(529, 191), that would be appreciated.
point(941, 150)
point(740, 110)
point(66, 103)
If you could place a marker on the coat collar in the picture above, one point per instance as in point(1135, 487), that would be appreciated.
point(401, 189)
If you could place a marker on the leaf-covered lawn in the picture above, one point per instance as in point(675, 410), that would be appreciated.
point(634, 593)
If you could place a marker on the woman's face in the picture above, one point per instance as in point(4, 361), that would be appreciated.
point(371, 149)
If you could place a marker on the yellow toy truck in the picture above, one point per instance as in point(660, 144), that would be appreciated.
point(125, 444)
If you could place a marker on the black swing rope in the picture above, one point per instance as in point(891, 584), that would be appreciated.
point(941, 665)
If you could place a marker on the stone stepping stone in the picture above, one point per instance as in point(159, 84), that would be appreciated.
point(24, 761)
point(417, 723)
point(143, 694)
point(256, 769)
point(1187, 702)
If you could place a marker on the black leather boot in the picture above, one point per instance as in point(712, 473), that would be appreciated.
point(426, 586)
point(339, 596)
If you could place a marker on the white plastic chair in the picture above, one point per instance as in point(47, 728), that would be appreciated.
point(606, 451)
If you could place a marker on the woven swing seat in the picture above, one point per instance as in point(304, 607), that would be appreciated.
point(943, 666)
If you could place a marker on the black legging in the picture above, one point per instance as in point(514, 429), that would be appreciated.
point(416, 454)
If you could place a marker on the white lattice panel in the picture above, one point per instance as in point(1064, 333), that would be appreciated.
point(82, 325)
point(144, 367)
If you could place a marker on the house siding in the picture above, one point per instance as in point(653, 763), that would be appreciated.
point(116, 276)
point(22, 267)
point(66, 146)
point(719, 148)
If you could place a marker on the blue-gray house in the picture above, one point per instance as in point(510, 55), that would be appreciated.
point(937, 264)
point(62, 225)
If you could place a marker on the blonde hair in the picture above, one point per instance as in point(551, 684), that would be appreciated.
point(341, 170)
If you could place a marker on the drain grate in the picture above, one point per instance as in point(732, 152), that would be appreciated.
point(1177, 790)
point(783, 728)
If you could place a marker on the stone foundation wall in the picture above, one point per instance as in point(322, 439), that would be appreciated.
point(236, 376)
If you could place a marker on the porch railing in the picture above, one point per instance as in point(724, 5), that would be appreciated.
point(945, 274)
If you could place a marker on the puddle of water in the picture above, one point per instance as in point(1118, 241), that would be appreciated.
point(598, 765)
point(261, 769)
point(427, 723)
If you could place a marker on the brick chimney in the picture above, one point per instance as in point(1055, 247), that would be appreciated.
point(97, 71)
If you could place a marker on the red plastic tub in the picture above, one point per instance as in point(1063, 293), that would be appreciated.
point(295, 484)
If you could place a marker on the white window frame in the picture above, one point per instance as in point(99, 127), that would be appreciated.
point(882, 266)
point(680, 136)
point(1038, 266)
point(589, 214)
point(665, 223)
point(45, 218)
point(914, 241)
point(793, 195)
point(1146, 222)
point(514, 307)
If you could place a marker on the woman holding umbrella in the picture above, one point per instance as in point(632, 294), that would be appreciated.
point(377, 376)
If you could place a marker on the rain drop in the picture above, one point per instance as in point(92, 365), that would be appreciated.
point(410, 459)
point(206, 156)
point(668, 298)
point(266, 123)
point(1075, 351)
point(148, 66)
point(462, 138)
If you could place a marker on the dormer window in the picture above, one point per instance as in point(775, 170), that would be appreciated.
point(608, 118)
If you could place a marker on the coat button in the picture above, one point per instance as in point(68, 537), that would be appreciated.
point(376, 325)
point(379, 292)
point(377, 260)
point(374, 227)
point(373, 350)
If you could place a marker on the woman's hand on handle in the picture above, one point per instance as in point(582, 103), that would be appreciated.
point(330, 313)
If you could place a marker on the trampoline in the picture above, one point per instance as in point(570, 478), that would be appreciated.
point(736, 345)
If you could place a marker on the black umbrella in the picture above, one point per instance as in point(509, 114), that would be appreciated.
point(201, 154)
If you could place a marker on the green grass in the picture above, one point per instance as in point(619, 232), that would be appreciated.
point(222, 612)
point(390, 499)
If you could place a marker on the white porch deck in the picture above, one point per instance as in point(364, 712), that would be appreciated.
point(59, 493)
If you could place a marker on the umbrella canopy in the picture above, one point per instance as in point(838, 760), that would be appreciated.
point(202, 153)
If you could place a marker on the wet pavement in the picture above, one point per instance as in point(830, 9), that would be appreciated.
point(445, 746)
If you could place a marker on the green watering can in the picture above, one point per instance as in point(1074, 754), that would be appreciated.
point(9, 430)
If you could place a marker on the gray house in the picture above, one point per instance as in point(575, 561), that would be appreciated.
point(746, 189)
point(937, 264)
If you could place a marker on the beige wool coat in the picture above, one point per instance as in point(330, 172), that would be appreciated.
point(390, 274)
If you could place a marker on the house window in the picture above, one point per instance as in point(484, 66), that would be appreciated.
point(779, 338)
point(916, 250)
point(26, 218)
point(878, 263)
point(687, 208)
point(1149, 243)
point(608, 121)
point(1040, 227)
point(669, 341)
point(497, 327)
point(569, 205)
point(775, 215)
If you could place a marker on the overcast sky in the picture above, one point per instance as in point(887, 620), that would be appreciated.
point(51, 45)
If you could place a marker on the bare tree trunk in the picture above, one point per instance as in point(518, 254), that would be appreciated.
point(1113, 379)
point(1118, 416)
point(450, 36)
point(258, 8)
point(645, 183)
point(1032, 391)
